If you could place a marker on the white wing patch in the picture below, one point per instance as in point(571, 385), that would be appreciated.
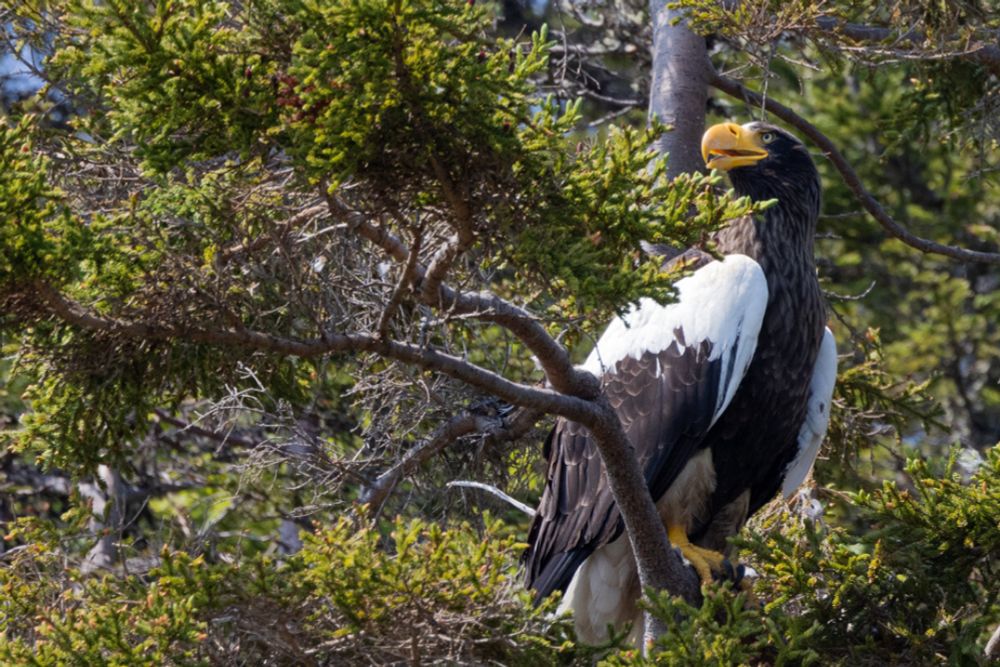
point(722, 302)
point(817, 415)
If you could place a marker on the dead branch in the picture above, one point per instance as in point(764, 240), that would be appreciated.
point(492, 490)
point(986, 54)
point(407, 278)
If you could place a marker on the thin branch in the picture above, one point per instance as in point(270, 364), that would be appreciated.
point(407, 278)
point(851, 178)
point(460, 241)
point(833, 296)
point(241, 249)
point(224, 439)
point(455, 428)
point(513, 502)
point(495, 430)
point(986, 54)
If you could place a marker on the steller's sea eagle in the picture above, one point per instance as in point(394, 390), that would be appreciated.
point(725, 394)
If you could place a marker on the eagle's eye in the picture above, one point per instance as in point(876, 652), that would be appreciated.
point(767, 137)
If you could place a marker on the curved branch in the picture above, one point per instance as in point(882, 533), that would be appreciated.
point(553, 357)
point(464, 424)
point(851, 178)
point(429, 358)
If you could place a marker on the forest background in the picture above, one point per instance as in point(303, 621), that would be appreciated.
point(273, 272)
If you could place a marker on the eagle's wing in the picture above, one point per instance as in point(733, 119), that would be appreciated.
point(670, 372)
point(817, 415)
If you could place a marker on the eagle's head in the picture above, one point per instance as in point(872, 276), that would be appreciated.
point(763, 162)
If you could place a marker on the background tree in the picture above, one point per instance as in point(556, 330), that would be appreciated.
point(246, 289)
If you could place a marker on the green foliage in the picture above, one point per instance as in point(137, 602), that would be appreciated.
point(432, 594)
point(227, 125)
point(400, 91)
point(207, 127)
point(911, 584)
point(727, 629)
point(38, 236)
point(179, 79)
point(596, 204)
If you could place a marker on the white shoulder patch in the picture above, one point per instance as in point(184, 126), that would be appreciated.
point(817, 415)
point(722, 302)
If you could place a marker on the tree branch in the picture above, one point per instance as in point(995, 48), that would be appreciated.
point(464, 424)
point(553, 357)
point(985, 54)
point(429, 358)
point(659, 566)
point(407, 278)
point(850, 177)
point(513, 502)
point(447, 433)
point(460, 241)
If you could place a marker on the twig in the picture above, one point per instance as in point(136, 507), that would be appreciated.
point(851, 178)
point(517, 504)
point(406, 280)
point(849, 297)
point(985, 54)
point(223, 439)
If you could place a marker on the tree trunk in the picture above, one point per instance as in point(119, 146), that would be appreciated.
point(679, 90)
point(108, 518)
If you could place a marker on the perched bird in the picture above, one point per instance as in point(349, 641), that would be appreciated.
point(725, 394)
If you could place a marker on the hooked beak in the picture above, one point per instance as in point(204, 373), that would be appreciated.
point(727, 145)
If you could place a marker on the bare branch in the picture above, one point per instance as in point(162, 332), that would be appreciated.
point(447, 433)
point(407, 278)
point(467, 423)
point(552, 356)
point(851, 179)
point(428, 358)
point(986, 54)
point(833, 296)
point(241, 249)
point(513, 502)
point(224, 439)
point(659, 566)
point(459, 242)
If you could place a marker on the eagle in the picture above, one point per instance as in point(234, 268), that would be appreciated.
point(724, 394)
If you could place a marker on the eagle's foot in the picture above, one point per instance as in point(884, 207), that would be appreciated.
point(710, 565)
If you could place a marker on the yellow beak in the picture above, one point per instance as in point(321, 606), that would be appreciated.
point(727, 145)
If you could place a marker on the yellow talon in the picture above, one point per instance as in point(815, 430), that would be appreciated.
point(704, 561)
